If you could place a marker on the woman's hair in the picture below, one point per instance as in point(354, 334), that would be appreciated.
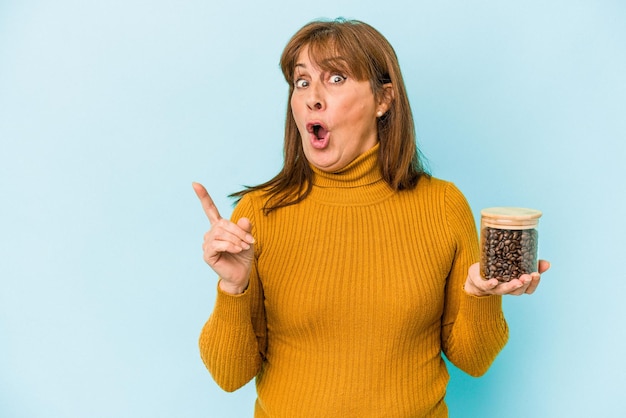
point(358, 50)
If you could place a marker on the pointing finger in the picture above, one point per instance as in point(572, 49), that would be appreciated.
point(207, 203)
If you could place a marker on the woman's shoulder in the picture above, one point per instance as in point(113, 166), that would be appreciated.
point(255, 196)
point(438, 191)
point(435, 185)
point(250, 203)
point(433, 182)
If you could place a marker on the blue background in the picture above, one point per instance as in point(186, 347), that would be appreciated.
point(109, 110)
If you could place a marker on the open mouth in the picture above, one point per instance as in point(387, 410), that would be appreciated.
point(319, 135)
point(318, 131)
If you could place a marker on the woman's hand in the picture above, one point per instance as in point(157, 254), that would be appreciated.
point(228, 247)
point(527, 283)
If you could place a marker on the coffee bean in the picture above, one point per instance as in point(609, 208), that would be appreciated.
point(507, 254)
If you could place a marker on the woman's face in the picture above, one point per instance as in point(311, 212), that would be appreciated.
point(335, 115)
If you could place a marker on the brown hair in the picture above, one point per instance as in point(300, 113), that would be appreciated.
point(360, 51)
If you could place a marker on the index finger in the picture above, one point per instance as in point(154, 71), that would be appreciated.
point(207, 203)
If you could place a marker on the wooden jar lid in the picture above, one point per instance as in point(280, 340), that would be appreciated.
point(507, 217)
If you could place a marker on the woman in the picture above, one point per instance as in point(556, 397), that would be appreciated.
point(345, 278)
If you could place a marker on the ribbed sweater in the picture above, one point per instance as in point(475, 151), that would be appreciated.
point(354, 296)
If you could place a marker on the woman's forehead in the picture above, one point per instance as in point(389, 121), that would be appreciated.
point(326, 56)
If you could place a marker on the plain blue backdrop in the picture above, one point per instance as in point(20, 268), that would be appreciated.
point(109, 110)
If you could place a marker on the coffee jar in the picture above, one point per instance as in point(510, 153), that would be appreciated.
point(508, 242)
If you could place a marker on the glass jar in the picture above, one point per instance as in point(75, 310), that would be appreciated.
point(508, 242)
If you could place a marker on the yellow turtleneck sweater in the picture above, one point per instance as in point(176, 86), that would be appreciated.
point(354, 295)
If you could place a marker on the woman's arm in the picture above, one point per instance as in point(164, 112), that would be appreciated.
point(232, 341)
point(474, 330)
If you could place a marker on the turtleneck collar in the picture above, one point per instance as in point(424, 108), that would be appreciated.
point(360, 182)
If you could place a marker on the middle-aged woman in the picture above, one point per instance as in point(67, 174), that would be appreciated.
point(345, 278)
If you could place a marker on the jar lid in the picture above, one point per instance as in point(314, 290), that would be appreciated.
point(510, 217)
point(511, 213)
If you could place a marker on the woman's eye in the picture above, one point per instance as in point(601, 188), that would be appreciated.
point(300, 83)
point(337, 78)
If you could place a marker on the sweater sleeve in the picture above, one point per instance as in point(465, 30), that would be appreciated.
point(233, 340)
point(474, 330)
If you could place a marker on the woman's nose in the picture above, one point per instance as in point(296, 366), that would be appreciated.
point(315, 99)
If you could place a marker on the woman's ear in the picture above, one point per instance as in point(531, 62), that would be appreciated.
point(386, 98)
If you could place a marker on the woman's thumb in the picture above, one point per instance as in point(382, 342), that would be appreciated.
point(245, 224)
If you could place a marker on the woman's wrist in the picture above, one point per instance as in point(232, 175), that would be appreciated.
point(232, 289)
point(472, 290)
